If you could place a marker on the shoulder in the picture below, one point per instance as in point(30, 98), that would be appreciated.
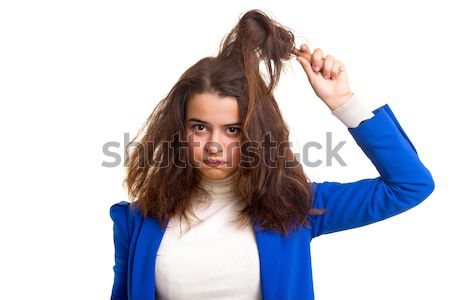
point(119, 210)
point(125, 215)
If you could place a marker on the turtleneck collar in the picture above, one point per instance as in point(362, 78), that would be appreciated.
point(220, 187)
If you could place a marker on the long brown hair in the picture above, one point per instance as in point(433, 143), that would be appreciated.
point(276, 192)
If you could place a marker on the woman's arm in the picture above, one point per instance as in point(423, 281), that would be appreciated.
point(119, 214)
point(404, 180)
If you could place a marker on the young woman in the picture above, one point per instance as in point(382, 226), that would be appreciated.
point(216, 148)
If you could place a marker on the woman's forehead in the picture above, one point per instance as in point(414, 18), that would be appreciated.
point(213, 109)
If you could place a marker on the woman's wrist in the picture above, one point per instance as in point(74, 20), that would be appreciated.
point(352, 112)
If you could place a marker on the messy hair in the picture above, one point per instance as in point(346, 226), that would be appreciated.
point(276, 192)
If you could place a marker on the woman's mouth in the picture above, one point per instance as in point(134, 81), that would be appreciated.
point(213, 163)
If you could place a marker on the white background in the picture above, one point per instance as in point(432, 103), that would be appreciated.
point(75, 75)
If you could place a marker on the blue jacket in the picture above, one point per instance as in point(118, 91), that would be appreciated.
point(285, 262)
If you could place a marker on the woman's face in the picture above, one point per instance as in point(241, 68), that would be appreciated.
point(213, 132)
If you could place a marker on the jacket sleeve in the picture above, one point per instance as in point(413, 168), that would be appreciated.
point(119, 215)
point(403, 183)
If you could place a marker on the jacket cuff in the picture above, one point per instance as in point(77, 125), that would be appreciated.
point(353, 112)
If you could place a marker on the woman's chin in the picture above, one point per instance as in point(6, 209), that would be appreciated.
point(215, 173)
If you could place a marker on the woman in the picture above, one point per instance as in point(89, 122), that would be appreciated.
point(217, 148)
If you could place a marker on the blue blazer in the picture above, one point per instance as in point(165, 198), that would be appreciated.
point(285, 262)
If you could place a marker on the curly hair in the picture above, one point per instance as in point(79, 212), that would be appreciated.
point(276, 198)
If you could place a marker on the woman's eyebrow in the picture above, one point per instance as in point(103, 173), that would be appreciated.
point(204, 122)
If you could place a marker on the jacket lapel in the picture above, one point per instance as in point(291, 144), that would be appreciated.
point(143, 272)
point(269, 248)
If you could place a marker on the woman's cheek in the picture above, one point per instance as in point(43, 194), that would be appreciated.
point(196, 148)
point(236, 153)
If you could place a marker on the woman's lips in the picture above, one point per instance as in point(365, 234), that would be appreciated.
point(213, 163)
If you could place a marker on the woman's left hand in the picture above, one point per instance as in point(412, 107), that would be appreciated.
point(328, 76)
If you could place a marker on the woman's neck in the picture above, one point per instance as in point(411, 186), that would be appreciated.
point(220, 187)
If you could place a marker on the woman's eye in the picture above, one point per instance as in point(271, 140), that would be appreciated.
point(234, 130)
point(196, 127)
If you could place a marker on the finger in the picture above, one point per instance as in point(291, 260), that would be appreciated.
point(327, 65)
point(304, 48)
point(302, 51)
point(336, 69)
point(317, 59)
point(306, 66)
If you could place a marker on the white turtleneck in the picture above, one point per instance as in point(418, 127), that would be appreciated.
point(214, 259)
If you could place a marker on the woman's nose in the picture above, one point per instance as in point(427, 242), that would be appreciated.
point(213, 147)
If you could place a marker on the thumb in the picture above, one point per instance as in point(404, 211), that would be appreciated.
point(306, 65)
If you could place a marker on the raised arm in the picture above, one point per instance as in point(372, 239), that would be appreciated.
point(403, 183)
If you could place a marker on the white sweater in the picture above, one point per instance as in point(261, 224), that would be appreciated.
point(214, 259)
